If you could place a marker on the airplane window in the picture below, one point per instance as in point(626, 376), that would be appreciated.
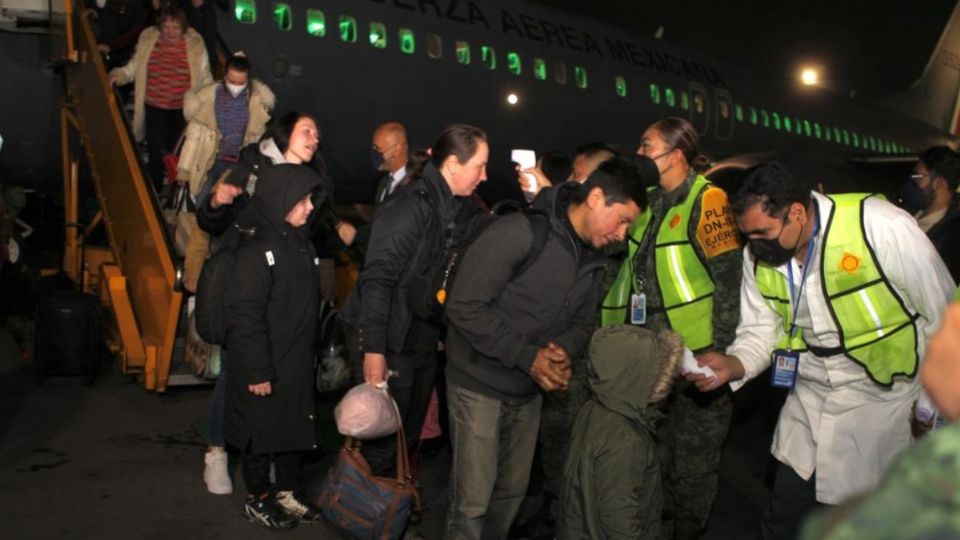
point(816, 130)
point(724, 110)
point(316, 23)
point(282, 18)
point(245, 11)
point(620, 84)
point(846, 137)
point(753, 116)
point(463, 52)
point(514, 65)
point(539, 69)
point(836, 135)
point(806, 128)
point(827, 133)
point(685, 101)
point(348, 29)
point(407, 42)
point(856, 139)
point(865, 144)
point(873, 144)
point(434, 46)
point(560, 72)
point(580, 74)
point(488, 57)
point(378, 35)
point(797, 126)
point(698, 104)
point(764, 118)
point(738, 112)
point(787, 124)
point(655, 94)
point(776, 121)
point(669, 98)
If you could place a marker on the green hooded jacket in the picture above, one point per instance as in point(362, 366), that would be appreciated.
point(611, 486)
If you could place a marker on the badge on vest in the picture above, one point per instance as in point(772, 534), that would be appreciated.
point(784, 368)
point(638, 308)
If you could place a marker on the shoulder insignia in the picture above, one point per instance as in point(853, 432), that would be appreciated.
point(716, 230)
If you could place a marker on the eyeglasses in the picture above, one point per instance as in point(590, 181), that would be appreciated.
point(917, 177)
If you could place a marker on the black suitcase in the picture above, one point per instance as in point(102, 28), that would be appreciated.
point(68, 338)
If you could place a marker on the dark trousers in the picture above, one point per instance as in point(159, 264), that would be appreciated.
point(411, 390)
point(162, 128)
point(791, 501)
point(256, 471)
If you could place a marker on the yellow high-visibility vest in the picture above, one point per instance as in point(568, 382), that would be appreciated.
point(877, 330)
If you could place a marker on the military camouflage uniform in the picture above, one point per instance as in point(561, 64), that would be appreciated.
point(689, 441)
point(918, 498)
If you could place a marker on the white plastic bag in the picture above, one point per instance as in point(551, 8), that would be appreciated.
point(367, 412)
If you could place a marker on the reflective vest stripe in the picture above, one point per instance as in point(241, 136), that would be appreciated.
point(681, 277)
point(873, 312)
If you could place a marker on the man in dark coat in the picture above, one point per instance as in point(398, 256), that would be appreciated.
point(271, 309)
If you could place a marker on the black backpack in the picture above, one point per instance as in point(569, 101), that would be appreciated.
point(210, 314)
point(428, 290)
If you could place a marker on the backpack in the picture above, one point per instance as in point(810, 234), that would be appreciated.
point(428, 290)
point(210, 313)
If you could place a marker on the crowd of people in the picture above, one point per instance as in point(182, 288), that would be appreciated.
point(556, 336)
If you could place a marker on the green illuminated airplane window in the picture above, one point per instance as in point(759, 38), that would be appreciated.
point(669, 97)
point(787, 124)
point(514, 66)
point(655, 94)
point(560, 73)
point(872, 144)
point(816, 130)
point(865, 142)
point(407, 42)
point(580, 75)
point(620, 84)
point(685, 101)
point(539, 69)
point(797, 126)
point(245, 11)
point(378, 35)
point(753, 116)
point(807, 129)
point(738, 112)
point(282, 18)
point(462, 49)
point(856, 139)
point(348, 29)
point(776, 121)
point(827, 131)
point(316, 23)
point(434, 46)
point(488, 57)
point(764, 118)
point(846, 137)
point(836, 135)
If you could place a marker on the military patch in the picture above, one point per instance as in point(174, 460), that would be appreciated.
point(675, 221)
point(717, 231)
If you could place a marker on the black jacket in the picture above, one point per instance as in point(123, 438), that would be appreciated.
point(271, 310)
point(945, 236)
point(407, 236)
point(497, 324)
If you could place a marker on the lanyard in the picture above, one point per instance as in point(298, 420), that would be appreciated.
point(795, 299)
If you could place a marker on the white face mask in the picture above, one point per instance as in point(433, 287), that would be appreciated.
point(235, 89)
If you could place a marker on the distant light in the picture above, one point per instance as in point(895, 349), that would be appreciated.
point(512, 99)
point(809, 76)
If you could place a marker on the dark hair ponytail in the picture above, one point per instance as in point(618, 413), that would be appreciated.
point(460, 140)
point(680, 134)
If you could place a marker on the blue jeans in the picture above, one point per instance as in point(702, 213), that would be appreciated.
point(493, 443)
point(218, 408)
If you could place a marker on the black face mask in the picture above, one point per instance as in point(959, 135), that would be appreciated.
point(376, 159)
point(916, 198)
point(770, 251)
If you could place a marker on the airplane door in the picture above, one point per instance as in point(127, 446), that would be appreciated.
point(724, 115)
point(699, 116)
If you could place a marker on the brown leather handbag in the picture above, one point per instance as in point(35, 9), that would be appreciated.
point(368, 506)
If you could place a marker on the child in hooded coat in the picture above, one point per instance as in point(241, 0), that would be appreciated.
point(271, 310)
point(611, 484)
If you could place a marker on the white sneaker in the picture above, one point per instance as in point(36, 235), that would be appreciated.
point(215, 473)
point(293, 507)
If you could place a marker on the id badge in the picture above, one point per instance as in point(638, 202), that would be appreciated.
point(784, 368)
point(638, 308)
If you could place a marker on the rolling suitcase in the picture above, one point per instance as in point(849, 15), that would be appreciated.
point(68, 337)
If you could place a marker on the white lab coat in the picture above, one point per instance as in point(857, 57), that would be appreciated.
point(836, 421)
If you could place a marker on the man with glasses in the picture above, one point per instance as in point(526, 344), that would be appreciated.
point(840, 295)
point(931, 196)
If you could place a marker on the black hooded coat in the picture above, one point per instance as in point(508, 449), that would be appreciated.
point(271, 311)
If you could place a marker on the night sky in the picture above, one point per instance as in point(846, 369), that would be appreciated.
point(873, 47)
